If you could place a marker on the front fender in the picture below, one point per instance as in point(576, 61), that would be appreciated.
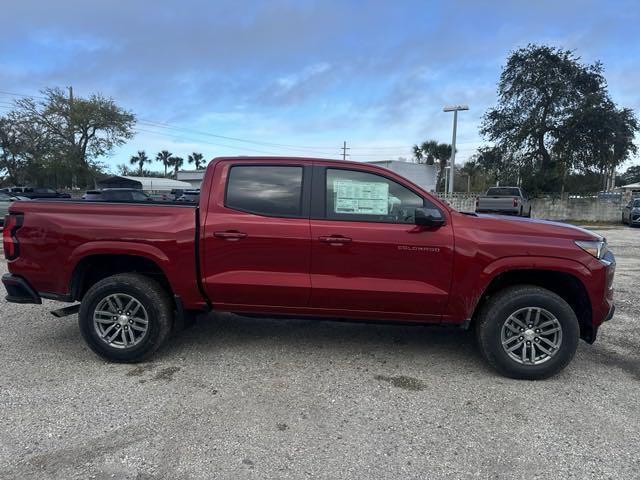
point(466, 296)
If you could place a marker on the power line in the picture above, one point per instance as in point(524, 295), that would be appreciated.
point(197, 140)
point(225, 137)
point(311, 149)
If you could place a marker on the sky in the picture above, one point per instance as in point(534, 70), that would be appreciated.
point(297, 78)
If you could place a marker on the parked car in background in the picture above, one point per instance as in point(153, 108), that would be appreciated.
point(631, 212)
point(7, 199)
point(116, 195)
point(161, 197)
point(312, 237)
point(37, 192)
point(504, 201)
point(191, 196)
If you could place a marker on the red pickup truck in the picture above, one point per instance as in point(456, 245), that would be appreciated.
point(312, 238)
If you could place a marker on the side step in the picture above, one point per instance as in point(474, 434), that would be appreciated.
point(66, 311)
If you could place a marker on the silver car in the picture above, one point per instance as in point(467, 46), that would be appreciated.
point(5, 200)
point(631, 212)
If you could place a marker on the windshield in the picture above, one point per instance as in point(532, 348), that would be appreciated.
point(504, 191)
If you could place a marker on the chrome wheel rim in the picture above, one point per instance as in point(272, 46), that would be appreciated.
point(531, 336)
point(121, 321)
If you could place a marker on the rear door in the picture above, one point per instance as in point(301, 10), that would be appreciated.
point(257, 244)
point(368, 256)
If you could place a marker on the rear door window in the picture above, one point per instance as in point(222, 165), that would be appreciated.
point(269, 190)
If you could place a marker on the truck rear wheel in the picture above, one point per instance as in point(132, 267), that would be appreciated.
point(527, 332)
point(125, 317)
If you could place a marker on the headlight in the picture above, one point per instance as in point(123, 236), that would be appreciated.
point(597, 248)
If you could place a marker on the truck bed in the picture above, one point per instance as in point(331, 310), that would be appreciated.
point(56, 234)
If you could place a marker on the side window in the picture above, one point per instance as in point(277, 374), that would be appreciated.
point(270, 190)
point(362, 196)
point(139, 196)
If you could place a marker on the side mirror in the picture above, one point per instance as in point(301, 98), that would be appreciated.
point(428, 217)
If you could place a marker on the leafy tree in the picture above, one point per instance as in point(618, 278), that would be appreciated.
point(552, 112)
point(197, 159)
point(491, 160)
point(140, 159)
point(474, 173)
point(164, 157)
point(431, 152)
point(80, 130)
point(632, 175)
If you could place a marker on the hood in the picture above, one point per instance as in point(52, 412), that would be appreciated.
point(533, 226)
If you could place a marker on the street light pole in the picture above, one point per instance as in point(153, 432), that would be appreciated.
point(455, 109)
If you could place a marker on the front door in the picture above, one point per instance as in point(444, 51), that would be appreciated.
point(257, 245)
point(368, 256)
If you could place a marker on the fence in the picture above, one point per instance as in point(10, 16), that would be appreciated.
point(567, 207)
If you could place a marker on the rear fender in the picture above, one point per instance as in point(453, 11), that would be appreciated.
point(149, 252)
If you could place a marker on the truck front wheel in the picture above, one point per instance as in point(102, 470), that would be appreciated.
point(527, 332)
point(125, 317)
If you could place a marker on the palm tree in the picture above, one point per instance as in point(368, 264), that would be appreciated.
point(432, 151)
point(417, 153)
point(471, 169)
point(196, 158)
point(140, 159)
point(176, 163)
point(164, 156)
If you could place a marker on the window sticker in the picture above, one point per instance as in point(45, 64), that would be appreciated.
point(363, 198)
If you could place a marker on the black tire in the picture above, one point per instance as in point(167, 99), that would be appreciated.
point(501, 306)
point(153, 298)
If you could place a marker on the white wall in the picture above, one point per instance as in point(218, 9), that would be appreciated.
point(419, 173)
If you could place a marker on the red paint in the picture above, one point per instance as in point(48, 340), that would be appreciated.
point(259, 264)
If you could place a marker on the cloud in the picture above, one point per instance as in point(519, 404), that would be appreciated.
point(303, 71)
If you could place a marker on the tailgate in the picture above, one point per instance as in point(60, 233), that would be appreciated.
point(497, 203)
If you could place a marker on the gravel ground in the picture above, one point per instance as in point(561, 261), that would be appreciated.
point(235, 397)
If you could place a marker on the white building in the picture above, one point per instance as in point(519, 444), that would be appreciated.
point(421, 174)
point(192, 177)
point(632, 188)
point(147, 184)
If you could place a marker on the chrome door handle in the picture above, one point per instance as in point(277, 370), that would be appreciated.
point(335, 239)
point(230, 235)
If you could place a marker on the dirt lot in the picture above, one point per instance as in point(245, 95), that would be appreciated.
point(235, 397)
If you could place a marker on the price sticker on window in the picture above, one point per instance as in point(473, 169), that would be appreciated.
point(361, 198)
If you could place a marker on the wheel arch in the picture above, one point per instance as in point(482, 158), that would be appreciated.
point(565, 284)
point(94, 267)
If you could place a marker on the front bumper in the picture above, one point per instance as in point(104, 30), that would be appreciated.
point(19, 290)
point(609, 316)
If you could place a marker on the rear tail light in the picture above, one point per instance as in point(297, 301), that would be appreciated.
point(515, 202)
point(12, 223)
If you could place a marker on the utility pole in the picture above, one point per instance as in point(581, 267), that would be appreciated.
point(455, 109)
point(71, 135)
point(344, 150)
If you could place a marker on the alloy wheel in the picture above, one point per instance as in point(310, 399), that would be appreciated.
point(120, 320)
point(531, 335)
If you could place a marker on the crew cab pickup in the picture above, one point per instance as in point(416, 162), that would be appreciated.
point(312, 238)
point(504, 201)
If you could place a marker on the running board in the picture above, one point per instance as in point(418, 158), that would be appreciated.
point(66, 311)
